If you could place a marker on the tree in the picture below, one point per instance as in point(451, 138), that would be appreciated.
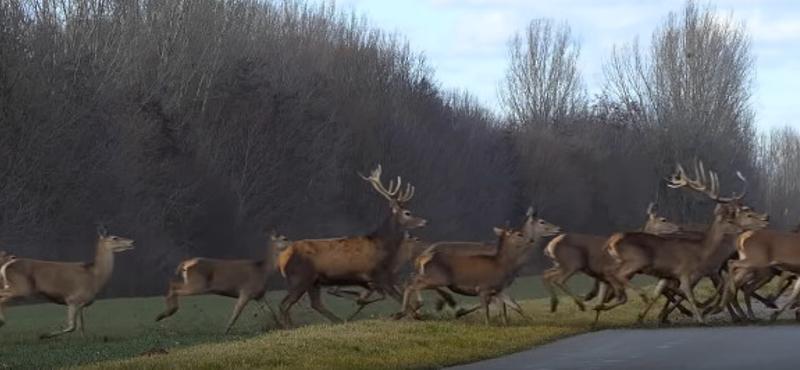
point(542, 83)
point(692, 90)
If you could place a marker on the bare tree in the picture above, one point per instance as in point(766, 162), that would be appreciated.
point(542, 83)
point(692, 89)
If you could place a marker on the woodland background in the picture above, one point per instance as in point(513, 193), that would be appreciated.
point(198, 126)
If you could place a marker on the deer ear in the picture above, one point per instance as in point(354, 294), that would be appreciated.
point(498, 231)
point(101, 230)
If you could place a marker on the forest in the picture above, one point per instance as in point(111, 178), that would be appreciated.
point(197, 127)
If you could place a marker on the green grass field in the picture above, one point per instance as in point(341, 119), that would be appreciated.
point(119, 331)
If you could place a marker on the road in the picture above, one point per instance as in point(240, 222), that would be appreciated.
point(752, 347)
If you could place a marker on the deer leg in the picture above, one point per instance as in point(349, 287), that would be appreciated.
point(295, 293)
point(592, 292)
point(657, 292)
point(561, 281)
point(363, 302)
point(792, 298)
point(237, 310)
point(72, 314)
point(547, 278)
point(486, 298)
point(3, 300)
point(730, 286)
point(510, 302)
point(420, 282)
point(80, 323)
point(686, 287)
point(785, 282)
point(444, 299)
point(177, 288)
point(316, 304)
point(272, 312)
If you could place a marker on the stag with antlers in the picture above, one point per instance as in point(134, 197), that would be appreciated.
point(364, 261)
point(676, 258)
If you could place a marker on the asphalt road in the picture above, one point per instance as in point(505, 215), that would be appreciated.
point(752, 347)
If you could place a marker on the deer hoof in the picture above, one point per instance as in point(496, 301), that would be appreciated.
point(553, 305)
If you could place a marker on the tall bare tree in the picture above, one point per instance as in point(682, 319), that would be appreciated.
point(692, 88)
point(542, 83)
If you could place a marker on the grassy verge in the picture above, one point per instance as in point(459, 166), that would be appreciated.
point(383, 344)
point(119, 331)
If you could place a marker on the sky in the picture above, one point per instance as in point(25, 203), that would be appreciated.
point(466, 41)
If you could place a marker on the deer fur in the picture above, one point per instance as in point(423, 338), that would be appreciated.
point(74, 284)
point(244, 280)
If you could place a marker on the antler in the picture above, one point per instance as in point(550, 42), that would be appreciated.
point(393, 193)
point(651, 208)
point(706, 184)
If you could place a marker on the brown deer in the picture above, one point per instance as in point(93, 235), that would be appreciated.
point(411, 247)
point(675, 257)
point(364, 261)
point(486, 276)
point(760, 250)
point(244, 280)
point(572, 253)
point(74, 284)
point(530, 228)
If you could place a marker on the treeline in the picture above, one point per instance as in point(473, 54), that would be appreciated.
point(197, 127)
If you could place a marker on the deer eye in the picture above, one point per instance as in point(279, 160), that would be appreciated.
point(407, 213)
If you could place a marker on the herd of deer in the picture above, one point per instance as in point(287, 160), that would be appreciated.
point(734, 251)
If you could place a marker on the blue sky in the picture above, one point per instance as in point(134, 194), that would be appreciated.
point(465, 41)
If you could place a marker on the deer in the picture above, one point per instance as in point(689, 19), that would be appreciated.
point(759, 250)
point(572, 253)
point(244, 280)
point(74, 284)
point(364, 261)
point(411, 247)
point(674, 257)
point(478, 248)
point(484, 275)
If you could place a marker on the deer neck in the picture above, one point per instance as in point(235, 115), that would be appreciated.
point(269, 259)
point(505, 255)
point(389, 234)
point(712, 240)
point(103, 266)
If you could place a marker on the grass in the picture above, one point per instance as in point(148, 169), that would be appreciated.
point(120, 330)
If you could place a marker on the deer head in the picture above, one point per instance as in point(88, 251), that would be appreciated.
point(511, 241)
point(536, 228)
point(658, 225)
point(279, 242)
point(111, 242)
point(397, 199)
point(5, 257)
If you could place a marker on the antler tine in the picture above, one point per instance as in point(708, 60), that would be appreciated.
point(394, 191)
point(406, 195)
point(735, 197)
point(744, 189)
point(675, 181)
point(375, 180)
point(651, 208)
